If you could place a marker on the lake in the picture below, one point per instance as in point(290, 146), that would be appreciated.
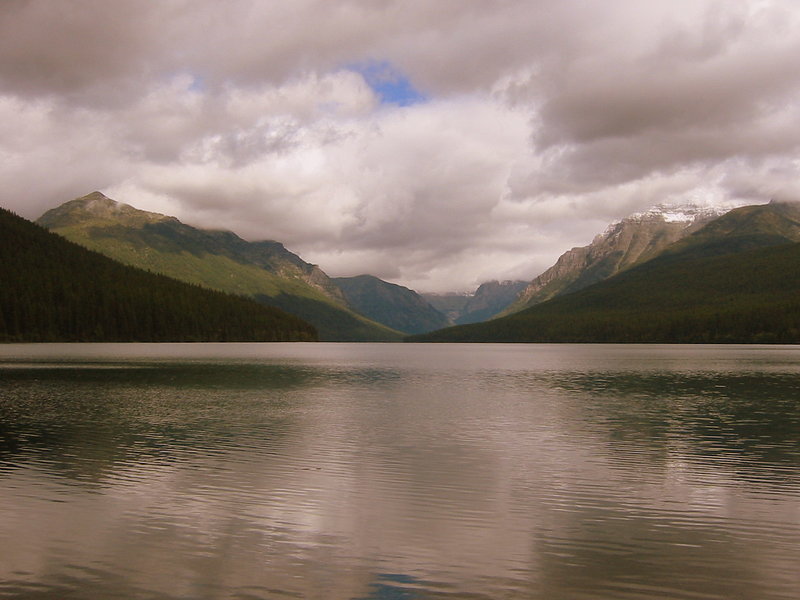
point(399, 471)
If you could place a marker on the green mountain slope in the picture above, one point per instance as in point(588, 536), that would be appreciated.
point(55, 290)
point(218, 260)
point(735, 280)
point(393, 305)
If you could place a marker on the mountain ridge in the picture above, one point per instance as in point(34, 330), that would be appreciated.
point(734, 280)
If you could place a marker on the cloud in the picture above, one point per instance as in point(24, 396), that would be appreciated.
point(436, 144)
point(399, 191)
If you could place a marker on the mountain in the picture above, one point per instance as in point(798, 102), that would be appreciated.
point(452, 306)
point(628, 242)
point(393, 305)
point(734, 280)
point(741, 229)
point(53, 290)
point(219, 260)
point(488, 300)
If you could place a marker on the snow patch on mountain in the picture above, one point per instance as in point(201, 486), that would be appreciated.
point(687, 212)
point(678, 212)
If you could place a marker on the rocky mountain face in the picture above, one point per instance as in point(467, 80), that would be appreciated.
point(393, 305)
point(631, 241)
point(220, 260)
point(489, 299)
point(98, 209)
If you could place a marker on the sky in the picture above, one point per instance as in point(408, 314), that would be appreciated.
point(434, 144)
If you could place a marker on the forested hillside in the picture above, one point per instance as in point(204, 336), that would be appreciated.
point(54, 290)
point(393, 305)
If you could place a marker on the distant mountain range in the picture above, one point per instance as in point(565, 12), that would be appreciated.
point(489, 299)
point(734, 279)
point(52, 290)
point(219, 260)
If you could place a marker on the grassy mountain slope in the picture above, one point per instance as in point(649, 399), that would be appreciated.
point(393, 305)
point(735, 280)
point(218, 260)
point(54, 290)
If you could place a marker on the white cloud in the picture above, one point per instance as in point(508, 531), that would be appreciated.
point(543, 122)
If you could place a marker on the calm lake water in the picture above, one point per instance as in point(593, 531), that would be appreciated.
point(399, 471)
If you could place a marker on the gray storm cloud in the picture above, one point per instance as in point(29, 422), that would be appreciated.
point(533, 124)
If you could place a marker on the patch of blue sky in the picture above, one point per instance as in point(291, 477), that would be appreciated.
point(390, 84)
point(193, 82)
point(198, 83)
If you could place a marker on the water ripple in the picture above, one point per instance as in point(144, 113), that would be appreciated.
point(399, 471)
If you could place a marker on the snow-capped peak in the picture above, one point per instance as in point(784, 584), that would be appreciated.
point(687, 212)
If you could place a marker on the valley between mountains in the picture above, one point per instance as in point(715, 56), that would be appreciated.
point(681, 274)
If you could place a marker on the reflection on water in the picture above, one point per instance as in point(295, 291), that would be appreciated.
point(365, 471)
